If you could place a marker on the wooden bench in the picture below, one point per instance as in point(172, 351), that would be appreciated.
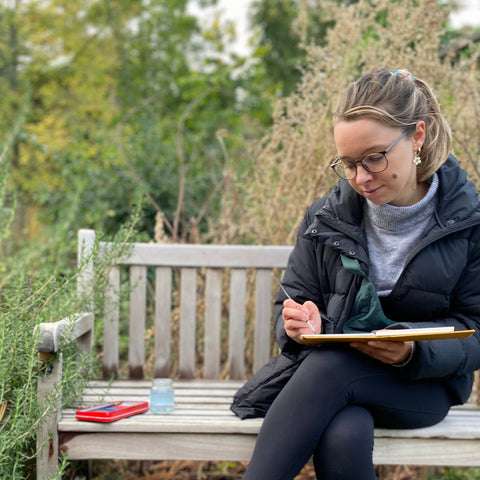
point(200, 338)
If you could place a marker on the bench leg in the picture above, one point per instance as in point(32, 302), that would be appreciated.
point(47, 437)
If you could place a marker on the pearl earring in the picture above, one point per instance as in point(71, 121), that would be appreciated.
point(416, 159)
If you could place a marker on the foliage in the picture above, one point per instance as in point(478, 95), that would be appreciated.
point(38, 284)
point(35, 289)
point(292, 162)
point(125, 95)
point(450, 473)
point(281, 31)
point(29, 294)
point(129, 95)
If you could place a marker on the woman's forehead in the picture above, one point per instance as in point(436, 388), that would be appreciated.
point(363, 135)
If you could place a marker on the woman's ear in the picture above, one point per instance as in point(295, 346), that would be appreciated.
point(419, 135)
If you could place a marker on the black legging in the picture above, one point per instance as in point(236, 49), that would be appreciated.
point(328, 409)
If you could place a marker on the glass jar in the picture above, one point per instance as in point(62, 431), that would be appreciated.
point(162, 396)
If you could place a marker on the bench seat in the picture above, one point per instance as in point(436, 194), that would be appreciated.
point(203, 428)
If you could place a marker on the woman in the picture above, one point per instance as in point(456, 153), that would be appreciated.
point(406, 212)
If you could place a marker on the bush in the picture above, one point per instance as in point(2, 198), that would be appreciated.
point(37, 284)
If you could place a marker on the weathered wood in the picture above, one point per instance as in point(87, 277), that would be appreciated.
point(237, 316)
point(237, 447)
point(202, 411)
point(138, 311)
point(263, 314)
point(164, 446)
point(214, 256)
point(194, 262)
point(111, 315)
point(86, 246)
point(47, 436)
point(213, 326)
point(53, 335)
point(188, 304)
point(163, 328)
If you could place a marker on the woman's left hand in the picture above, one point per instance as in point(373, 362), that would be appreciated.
point(385, 351)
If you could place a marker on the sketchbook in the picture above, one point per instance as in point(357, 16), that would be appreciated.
point(398, 335)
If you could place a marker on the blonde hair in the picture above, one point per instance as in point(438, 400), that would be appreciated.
point(400, 101)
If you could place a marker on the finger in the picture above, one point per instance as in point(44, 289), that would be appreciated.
point(371, 352)
point(295, 325)
point(383, 345)
point(290, 303)
point(385, 351)
point(294, 314)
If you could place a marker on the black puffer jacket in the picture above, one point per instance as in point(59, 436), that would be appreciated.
point(439, 286)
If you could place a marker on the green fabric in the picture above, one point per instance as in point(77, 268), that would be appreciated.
point(367, 313)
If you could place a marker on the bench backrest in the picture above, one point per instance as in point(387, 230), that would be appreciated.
point(198, 308)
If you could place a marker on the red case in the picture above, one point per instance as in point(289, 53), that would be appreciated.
point(109, 412)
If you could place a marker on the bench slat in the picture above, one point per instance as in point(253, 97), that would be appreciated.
point(213, 323)
point(263, 318)
point(179, 385)
point(138, 312)
point(214, 256)
point(213, 418)
point(237, 316)
point(160, 446)
point(163, 328)
point(111, 316)
point(188, 305)
point(237, 447)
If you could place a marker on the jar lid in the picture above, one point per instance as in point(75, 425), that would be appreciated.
point(162, 381)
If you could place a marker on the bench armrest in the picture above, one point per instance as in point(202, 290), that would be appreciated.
point(79, 328)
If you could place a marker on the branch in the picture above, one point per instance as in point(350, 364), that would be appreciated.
point(462, 44)
point(181, 158)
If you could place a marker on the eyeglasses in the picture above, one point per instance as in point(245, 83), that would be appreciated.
point(373, 162)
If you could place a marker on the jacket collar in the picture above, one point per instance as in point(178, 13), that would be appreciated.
point(458, 198)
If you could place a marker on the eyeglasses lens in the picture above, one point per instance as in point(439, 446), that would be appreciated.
point(373, 163)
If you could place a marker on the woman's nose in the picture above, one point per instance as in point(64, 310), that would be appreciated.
point(363, 175)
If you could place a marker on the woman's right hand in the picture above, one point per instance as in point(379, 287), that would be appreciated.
point(295, 317)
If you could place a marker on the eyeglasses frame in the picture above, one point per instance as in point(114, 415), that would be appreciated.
point(384, 153)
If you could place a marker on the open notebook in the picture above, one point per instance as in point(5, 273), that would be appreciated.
point(399, 335)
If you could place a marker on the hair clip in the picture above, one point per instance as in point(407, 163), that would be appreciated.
point(404, 72)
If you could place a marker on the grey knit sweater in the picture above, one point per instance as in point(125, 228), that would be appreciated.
point(392, 232)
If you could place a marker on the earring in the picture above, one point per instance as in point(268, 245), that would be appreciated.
point(416, 159)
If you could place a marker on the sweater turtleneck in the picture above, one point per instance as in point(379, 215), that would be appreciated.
point(392, 232)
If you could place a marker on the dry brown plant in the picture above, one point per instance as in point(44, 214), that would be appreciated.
point(291, 165)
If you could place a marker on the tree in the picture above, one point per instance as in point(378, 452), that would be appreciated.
point(285, 28)
point(129, 95)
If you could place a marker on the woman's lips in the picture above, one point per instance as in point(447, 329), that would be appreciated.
point(372, 192)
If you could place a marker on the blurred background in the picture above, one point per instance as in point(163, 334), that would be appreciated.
point(112, 103)
point(198, 121)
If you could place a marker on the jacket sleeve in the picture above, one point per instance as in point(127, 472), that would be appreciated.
point(301, 282)
point(448, 358)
